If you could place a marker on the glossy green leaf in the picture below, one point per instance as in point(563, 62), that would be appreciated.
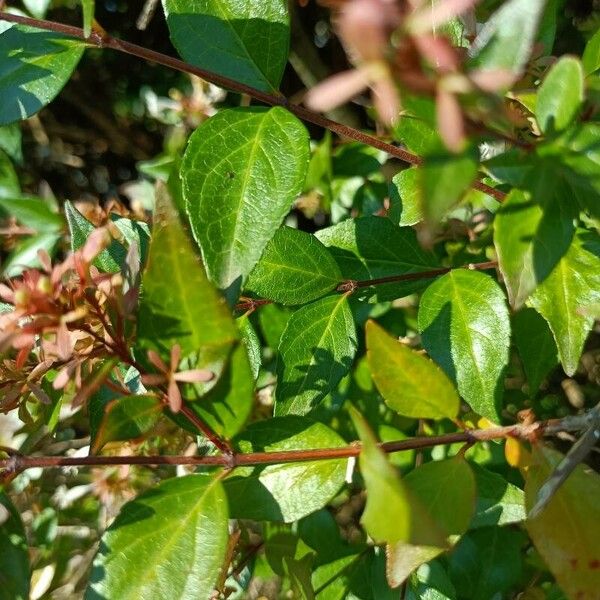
point(392, 513)
point(536, 346)
point(241, 172)
point(245, 41)
point(36, 64)
point(251, 340)
point(498, 501)
point(591, 54)
point(506, 39)
point(487, 563)
point(14, 555)
point(33, 212)
point(574, 283)
point(295, 268)
point(284, 492)
point(226, 406)
point(465, 328)
point(405, 196)
point(9, 181)
point(444, 178)
point(10, 141)
point(126, 418)
point(411, 384)
point(315, 352)
point(25, 254)
point(167, 543)
point(88, 7)
point(178, 303)
point(560, 97)
point(530, 240)
point(430, 582)
point(373, 247)
point(567, 531)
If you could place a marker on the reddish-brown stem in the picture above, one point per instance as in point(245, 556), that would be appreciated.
point(274, 99)
point(219, 443)
point(17, 463)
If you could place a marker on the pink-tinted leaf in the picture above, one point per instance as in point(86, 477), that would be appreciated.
point(450, 120)
point(175, 400)
point(194, 376)
point(336, 90)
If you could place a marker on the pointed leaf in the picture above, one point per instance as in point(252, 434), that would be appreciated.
point(315, 352)
point(574, 283)
point(241, 172)
point(536, 346)
point(465, 328)
point(560, 97)
point(284, 492)
point(167, 543)
point(32, 212)
point(126, 418)
point(591, 54)
point(295, 268)
point(405, 196)
point(530, 240)
point(507, 37)
point(36, 64)
point(88, 7)
point(245, 41)
point(373, 247)
point(178, 304)
point(567, 531)
point(14, 555)
point(411, 384)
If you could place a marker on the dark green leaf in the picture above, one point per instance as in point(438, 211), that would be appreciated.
point(567, 531)
point(430, 582)
point(241, 172)
point(9, 182)
point(245, 41)
point(284, 492)
point(10, 141)
point(465, 328)
point(126, 418)
point(315, 352)
point(167, 543)
point(574, 283)
point(410, 383)
point(536, 346)
point(560, 96)
point(178, 304)
point(405, 198)
point(295, 268)
point(507, 37)
point(530, 240)
point(36, 65)
point(14, 556)
point(498, 501)
point(373, 247)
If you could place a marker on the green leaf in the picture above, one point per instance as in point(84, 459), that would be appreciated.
point(487, 563)
point(241, 172)
point(32, 212)
point(167, 543)
point(9, 181)
point(295, 268)
point(36, 64)
point(530, 240)
point(126, 418)
point(410, 383)
point(245, 41)
point(88, 7)
point(10, 141)
point(536, 346)
point(373, 247)
point(443, 179)
point(315, 352)
point(498, 501)
point(465, 328)
point(178, 304)
point(14, 555)
point(25, 255)
point(567, 531)
point(574, 283)
point(227, 405)
point(38, 8)
point(560, 97)
point(591, 54)
point(284, 492)
point(405, 198)
point(506, 39)
point(430, 582)
point(252, 342)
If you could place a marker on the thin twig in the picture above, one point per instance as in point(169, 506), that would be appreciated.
point(273, 99)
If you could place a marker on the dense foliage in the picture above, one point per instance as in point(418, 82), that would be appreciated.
point(263, 343)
